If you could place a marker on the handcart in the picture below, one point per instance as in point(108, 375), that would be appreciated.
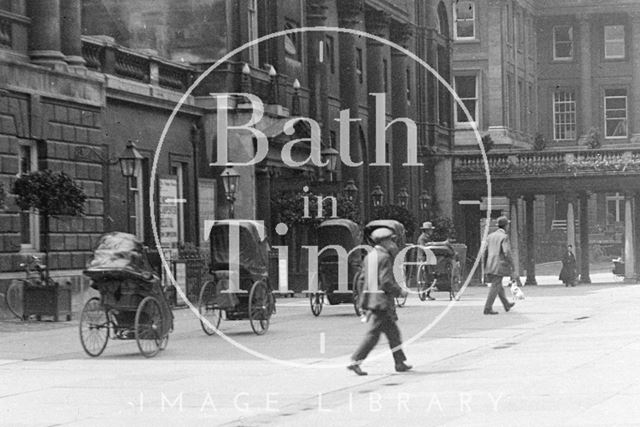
point(132, 303)
point(346, 235)
point(446, 275)
point(245, 296)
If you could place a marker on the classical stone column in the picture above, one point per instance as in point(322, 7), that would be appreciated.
point(513, 232)
point(530, 238)
point(400, 34)
point(584, 238)
point(571, 222)
point(70, 32)
point(377, 23)
point(586, 114)
point(635, 56)
point(44, 35)
point(629, 243)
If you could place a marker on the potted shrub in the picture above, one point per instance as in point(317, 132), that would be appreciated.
point(52, 194)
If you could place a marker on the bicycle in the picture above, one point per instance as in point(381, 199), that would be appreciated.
point(13, 298)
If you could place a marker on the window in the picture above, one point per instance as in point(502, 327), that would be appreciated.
point(615, 205)
point(359, 71)
point(511, 103)
point(563, 42)
point(522, 106)
point(331, 54)
point(509, 25)
point(408, 86)
point(465, 25)
point(521, 30)
point(206, 206)
point(564, 116)
point(531, 108)
point(385, 75)
point(137, 199)
point(178, 171)
point(29, 224)
point(253, 31)
point(292, 41)
point(615, 113)
point(614, 47)
point(467, 89)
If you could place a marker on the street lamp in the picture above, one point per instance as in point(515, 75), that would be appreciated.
point(230, 180)
point(350, 190)
point(403, 197)
point(425, 201)
point(129, 160)
point(377, 196)
point(330, 155)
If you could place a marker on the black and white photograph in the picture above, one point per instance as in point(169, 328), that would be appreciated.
point(319, 212)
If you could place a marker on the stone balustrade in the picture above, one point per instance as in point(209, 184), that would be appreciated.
point(576, 162)
point(103, 55)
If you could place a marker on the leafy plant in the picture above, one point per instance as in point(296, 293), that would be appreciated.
point(398, 213)
point(487, 142)
point(443, 229)
point(290, 207)
point(52, 194)
point(594, 138)
point(539, 143)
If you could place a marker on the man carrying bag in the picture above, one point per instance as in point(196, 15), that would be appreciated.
point(499, 264)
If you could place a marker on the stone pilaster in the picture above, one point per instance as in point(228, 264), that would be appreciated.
point(586, 114)
point(377, 23)
point(513, 232)
point(496, 81)
point(635, 57)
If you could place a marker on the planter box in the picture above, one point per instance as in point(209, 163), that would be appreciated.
point(54, 301)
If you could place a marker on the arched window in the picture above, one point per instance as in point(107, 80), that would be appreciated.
point(443, 20)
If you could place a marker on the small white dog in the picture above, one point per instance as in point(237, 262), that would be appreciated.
point(516, 292)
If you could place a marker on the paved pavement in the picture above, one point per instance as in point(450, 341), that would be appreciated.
point(564, 356)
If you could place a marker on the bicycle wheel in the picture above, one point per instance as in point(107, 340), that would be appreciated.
point(208, 308)
point(316, 301)
point(260, 308)
point(94, 328)
point(149, 327)
point(13, 299)
point(423, 282)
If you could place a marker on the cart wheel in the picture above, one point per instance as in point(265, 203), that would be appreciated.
point(260, 307)
point(316, 301)
point(356, 289)
point(423, 283)
point(149, 327)
point(94, 328)
point(401, 301)
point(13, 299)
point(208, 309)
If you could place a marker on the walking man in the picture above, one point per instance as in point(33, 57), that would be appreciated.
point(499, 264)
point(381, 304)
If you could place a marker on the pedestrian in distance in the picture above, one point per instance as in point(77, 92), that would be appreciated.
point(424, 239)
point(569, 272)
point(380, 305)
point(499, 264)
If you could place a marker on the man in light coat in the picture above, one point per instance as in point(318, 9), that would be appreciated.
point(378, 267)
point(499, 264)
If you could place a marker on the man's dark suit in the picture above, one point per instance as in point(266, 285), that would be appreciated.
point(381, 304)
point(499, 264)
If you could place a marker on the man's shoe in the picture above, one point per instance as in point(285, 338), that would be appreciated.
point(490, 312)
point(403, 367)
point(356, 368)
point(510, 306)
